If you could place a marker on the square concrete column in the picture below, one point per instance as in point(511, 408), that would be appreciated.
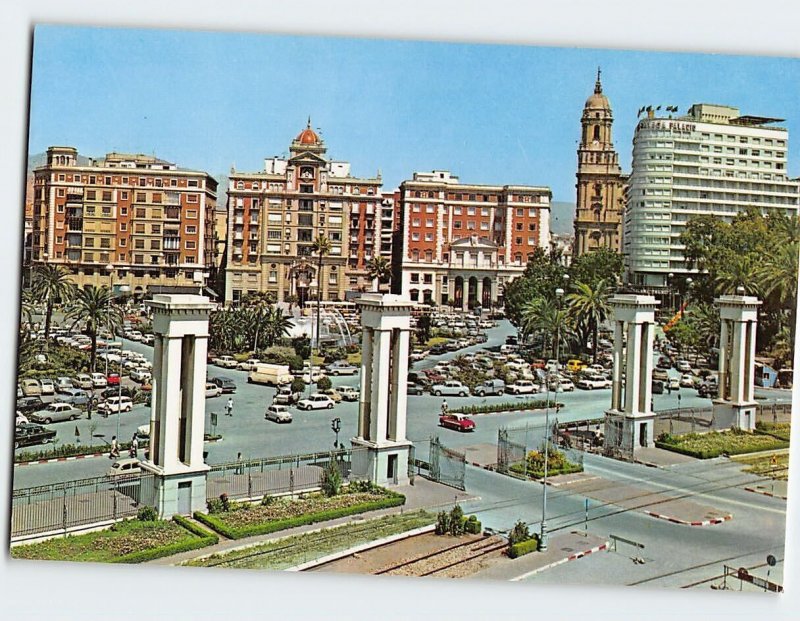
point(386, 325)
point(479, 292)
point(180, 324)
point(629, 421)
point(735, 407)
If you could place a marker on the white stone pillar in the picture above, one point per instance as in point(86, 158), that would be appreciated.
point(399, 394)
point(479, 292)
point(646, 379)
point(366, 385)
point(465, 295)
point(737, 369)
point(171, 401)
point(616, 386)
point(724, 391)
point(633, 370)
point(750, 350)
point(380, 386)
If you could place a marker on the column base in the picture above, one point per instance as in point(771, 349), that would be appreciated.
point(182, 492)
point(727, 415)
point(626, 433)
point(384, 463)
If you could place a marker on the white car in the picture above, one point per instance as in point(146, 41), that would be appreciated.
point(686, 381)
point(21, 419)
point(341, 367)
point(212, 390)
point(82, 381)
point(99, 380)
point(316, 401)
point(562, 384)
point(278, 413)
point(593, 382)
point(48, 386)
point(140, 375)
point(450, 388)
point(226, 362)
point(115, 404)
point(133, 335)
point(521, 387)
point(674, 383)
point(248, 365)
point(56, 412)
point(313, 377)
point(148, 339)
point(683, 366)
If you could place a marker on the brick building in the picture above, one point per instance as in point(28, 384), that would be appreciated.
point(461, 243)
point(148, 218)
point(275, 215)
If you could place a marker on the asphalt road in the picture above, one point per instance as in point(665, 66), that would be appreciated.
point(247, 431)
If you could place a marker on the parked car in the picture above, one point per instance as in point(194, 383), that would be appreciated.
point(657, 387)
point(99, 380)
point(414, 389)
point(683, 366)
point(141, 375)
point(316, 401)
point(459, 422)
point(148, 339)
point(269, 374)
point(19, 392)
point(686, 381)
point(28, 434)
point(285, 396)
point(26, 405)
point(75, 396)
point(113, 379)
point(575, 365)
point(115, 392)
point(278, 413)
point(226, 362)
point(522, 386)
point(115, 405)
point(55, 413)
point(133, 335)
point(349, 393)
point(332, 393)
point(128, 466)
point(48, 386)
point(248, 365)
point(708, 390)
point(30, 387)
point(225, 383)
point(674, 383)
point(561, 384)
point(660, 375)
point(438, 350)
point(450, 387)
point(82, 380)
point(212, 390)
point(341, 367)
point(21, 419)
point(593, 382)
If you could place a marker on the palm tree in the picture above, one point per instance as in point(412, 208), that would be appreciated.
point(380, 271)
point(777, 273)
point(51, 283)
point(738, 271)
point(27, 306)
point(588, 304)
point(277, 325)
point(545, 316)
point(92, 306)
point(321, 247)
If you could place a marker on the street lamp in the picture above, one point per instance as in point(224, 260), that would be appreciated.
point(122, 289)
point(543, 531)
point(670, 277)
point(336, 426)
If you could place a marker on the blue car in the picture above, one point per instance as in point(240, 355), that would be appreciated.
point(75, 396)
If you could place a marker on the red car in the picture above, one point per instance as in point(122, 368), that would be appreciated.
point(113, 379)
point(459, 422)
point(538, 364)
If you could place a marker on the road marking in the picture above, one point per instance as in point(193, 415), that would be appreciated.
point(692, 492)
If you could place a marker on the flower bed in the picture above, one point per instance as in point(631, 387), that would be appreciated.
point(781, 431)
point(716, 443)
point(131, 541)
point(246, 520)
point(512, 406)
point(557, 463)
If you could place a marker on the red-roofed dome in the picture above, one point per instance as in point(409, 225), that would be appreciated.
point(308, 135)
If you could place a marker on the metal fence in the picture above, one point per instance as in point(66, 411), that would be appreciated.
point(64, 507)
point(514, 444)
point(446, 465)
point(254, 478)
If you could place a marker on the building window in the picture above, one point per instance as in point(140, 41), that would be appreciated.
point(90, 195)
point(191, 198)
point(141, 197)
point(138, 244)
point(190, 244)
point(106, 195)
point(141, 213)
point(191, 229)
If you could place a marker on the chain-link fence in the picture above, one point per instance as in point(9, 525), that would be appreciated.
point(64, 507)
point(446, 465)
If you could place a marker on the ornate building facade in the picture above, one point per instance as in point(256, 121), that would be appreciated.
point(275, 215)
point(600, 182)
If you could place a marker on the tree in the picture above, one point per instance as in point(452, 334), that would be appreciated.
point(92, 306)
point(51, 283)
point(542, 276)
point(302, 346)
point(324, 383)
point(298, 385)
point(320, 247)
point(380, 271)
point(277, 325)
point(588, 305)
point(546, 317)
point(424, 328)
point(601, 264)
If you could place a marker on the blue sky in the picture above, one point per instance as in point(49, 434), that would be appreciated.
point(489, 113)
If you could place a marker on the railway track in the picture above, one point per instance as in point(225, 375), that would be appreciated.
point(476, 549)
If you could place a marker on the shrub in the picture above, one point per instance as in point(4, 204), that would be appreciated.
point(332, 355)
point(214, 506)
point(283, 355)
point(223, 499)
point(146, 514)
point(524, 547)
point(360, 486)
point(442, 523)
point(331, 482)
point(302, 346)
point(519, 533)
point(473, 526)
point(457, 521)
point(324, 383)
point(352, 348)
point(267, 500)
point(298, 385)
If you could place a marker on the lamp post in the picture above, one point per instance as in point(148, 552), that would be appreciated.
point(670, 277)
point(122, 289)
point(543, 530)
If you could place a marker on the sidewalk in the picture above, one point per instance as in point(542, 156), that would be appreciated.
point(424, 494)
point(561, 549)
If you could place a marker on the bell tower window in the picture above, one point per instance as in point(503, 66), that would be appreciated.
point(596, 133)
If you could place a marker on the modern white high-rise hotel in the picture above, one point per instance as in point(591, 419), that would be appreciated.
point(711, 161)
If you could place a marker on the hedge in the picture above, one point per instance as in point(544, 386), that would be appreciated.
point(513, 406)
point(203, 539)
point(569, 468)
point(472, 525)
point(717, 445)
point(392, 499)
point(524, 547)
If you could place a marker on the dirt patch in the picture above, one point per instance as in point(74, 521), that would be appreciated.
point(441, 556)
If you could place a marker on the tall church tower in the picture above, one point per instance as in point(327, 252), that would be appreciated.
point(600, 199)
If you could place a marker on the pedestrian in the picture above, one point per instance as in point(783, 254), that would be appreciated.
point(239, 467)
point(114, 448)
point(229, 407)
point(444, 407)
point(669, 388)
point(134, 446)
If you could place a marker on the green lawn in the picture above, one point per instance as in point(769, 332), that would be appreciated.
point(298, 549)
point(764, 466)
point(716, 443)
point(124, 542)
